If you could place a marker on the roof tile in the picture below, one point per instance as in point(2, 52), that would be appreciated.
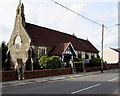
point(44, 36)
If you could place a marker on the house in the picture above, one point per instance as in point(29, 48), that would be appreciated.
point(29, 42)
point(111, 55)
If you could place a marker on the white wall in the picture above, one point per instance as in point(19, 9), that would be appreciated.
point(89, 55)
point(83, 55)
point(95, 55)
point(110, 55)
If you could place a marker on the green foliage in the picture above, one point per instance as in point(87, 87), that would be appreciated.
point(43, 61)
point(96, 60)
point(77, 60)
point(4, 49)
point(55, 62)
point(52, 62)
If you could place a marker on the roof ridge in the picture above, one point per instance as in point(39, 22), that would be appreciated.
point(51, 29)
point(41, 35)
point(115, 49)
point(83, 44)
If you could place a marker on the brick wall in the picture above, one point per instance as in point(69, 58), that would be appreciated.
point(113, 66)
point(12, 75)
point(8, 75)
point(91, 69)
point(45, 73)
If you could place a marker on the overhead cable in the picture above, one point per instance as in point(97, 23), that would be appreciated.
point(83, 16)
point(76, 12)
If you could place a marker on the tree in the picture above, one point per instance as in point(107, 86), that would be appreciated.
point(4, 55)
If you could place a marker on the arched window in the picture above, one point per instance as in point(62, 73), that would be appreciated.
point(17, 42)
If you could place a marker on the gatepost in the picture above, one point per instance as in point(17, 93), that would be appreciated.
point(72, 66)
point(20, 69)
point(83, 65)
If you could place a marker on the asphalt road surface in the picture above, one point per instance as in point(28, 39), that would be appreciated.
point(104, 83)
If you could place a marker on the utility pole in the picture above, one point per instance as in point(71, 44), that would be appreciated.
point(118, 40)
point(102, 48)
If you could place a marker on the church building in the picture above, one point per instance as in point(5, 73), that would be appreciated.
point(29, 42)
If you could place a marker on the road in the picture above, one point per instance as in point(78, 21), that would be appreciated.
point(104, 83)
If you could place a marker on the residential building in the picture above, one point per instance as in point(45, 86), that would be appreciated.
point(111, 55)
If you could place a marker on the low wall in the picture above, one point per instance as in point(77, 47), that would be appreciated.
point(113, 66)
point(91, 69)
point(45, 73)
point(8, 75)
point(12, 75)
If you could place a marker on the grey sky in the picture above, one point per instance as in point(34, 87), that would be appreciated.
point(48, 14)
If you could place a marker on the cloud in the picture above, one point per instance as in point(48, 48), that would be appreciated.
point(48, 14)
point(7, 17)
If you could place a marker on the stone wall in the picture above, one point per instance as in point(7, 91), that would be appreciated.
point(19, 48)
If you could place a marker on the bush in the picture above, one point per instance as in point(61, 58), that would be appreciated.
point(77, 60)
point(43, 62)
point(96, 60)
point(55, 62)
point(50, 62)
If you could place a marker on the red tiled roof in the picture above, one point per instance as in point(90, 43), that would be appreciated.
point(44, 36)
point(59, 48)
point(89, 46)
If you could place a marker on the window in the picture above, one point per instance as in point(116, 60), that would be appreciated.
point(17, 42)
point(42, 51)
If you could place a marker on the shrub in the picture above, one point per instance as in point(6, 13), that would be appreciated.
point(77, 60)
point(55, 62)
point(43, 62)
point(52, 62)
point(96, 60)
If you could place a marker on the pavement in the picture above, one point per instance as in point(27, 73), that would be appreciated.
point(47, 79)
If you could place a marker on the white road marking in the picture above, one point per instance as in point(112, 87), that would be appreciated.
point(113, 79)
point(85, 88)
